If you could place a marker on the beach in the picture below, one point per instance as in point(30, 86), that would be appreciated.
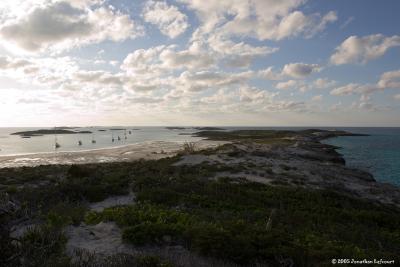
point(144, 150)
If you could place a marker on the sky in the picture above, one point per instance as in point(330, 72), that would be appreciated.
point(199, 62)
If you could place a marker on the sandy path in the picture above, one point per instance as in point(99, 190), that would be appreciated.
point(145, 150)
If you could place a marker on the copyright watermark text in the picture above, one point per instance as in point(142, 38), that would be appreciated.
point(363, 261)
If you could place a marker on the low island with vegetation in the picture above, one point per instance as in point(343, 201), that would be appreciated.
point(263, 198)
point(42, 132)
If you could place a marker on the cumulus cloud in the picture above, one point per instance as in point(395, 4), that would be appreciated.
point(237, 54)
point(263, 19)
point(390, 79)
point(144, 61)
point(160, 60)
point(13, 63)
point(190, 59)
point(60, 25)
point(254, 95)
point(270, 74)
point(291, 70)
point(199, 81)
point(168, 18)
point(363, 49)
point(286, 85)
point(40, 71)
point(317, 98)
point(101, 78)
point(323, 83)
point(354, 88)
point(300, 70)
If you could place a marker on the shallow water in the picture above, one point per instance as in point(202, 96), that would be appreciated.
point(15, 145)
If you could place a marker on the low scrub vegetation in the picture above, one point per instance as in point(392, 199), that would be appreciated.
point(234, 220)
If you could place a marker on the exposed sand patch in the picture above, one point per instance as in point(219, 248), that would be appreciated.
point(103, 238)
point(145, 150)
point(112, 202)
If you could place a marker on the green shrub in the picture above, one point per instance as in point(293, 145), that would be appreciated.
point(43, 246)
point(79, 171)
point(150, 233)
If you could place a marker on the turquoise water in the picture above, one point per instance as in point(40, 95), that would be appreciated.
point(378, 153)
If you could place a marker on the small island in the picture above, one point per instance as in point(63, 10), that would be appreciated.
point(175, 128)
point(208, 129)
point(42, 132)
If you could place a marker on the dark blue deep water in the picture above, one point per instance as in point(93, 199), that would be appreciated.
point(378, 153)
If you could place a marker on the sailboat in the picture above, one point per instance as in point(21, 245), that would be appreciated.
point(93, 140)
point(125, 135)
point(79, 142)
point(56, 144)
point(119, 138)
point(112, 140)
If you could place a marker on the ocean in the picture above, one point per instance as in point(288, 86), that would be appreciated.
point(378, 153)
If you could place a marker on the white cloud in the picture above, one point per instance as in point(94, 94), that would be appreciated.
point(13, 63)
point(100, 78)
point(300, 70)
point(390, 79)
point(270, 74)
point(291, 70)
point(59, 25)
point(363, 49)
point(189, 59)
point(354, 88)
point(323, 83)
point(317, 98)
point(114, 63)
point(157, 61)
point(254, 95)
point(202, 80)
point(144, 61)
point(286, 85)
point(263, 19)
point(237, 54)
point(168, 18)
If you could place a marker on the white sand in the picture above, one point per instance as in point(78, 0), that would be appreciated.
point(146, 150)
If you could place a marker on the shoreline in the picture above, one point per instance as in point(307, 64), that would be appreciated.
point(143, 150)
point(85, 150)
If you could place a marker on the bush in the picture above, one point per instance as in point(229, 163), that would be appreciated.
point(43, 246)
point(65, 213)
point(188, 148)
point(150, 233)
point(79, 171)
